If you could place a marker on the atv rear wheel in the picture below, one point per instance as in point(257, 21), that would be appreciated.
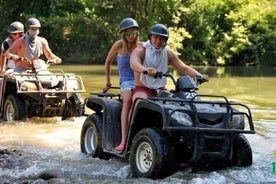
point(242, 153)
point(151, 155)
point(74, 106)
point(14, 108)
point(91, 137)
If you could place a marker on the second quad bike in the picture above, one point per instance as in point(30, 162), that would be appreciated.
point(175, 128)
point(41, 92)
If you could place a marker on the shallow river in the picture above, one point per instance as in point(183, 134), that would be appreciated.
point(39, 144)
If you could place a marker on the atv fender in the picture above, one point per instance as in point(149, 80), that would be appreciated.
point(146, 113)
point(111, 110)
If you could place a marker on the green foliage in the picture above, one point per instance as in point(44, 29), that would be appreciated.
point(225, 32)
point(177, 35)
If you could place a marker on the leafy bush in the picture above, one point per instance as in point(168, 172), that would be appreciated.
point(205, 32)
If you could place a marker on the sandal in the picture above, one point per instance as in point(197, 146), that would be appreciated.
point(120, 147)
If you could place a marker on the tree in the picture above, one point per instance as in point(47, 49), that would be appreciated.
point(206, 32)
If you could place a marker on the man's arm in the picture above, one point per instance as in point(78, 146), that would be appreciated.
point(48, 52)
point(136, 59)
point(14, 50)
point(136, 62)
point(2, 62)
point(182, 67)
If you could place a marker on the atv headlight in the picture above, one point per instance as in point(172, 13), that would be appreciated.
point(182, 118)
point(237, 120)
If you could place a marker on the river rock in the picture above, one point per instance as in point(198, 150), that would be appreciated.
point(9, 158)
point(51, 173)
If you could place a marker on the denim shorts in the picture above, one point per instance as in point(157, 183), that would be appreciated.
point(127, 85)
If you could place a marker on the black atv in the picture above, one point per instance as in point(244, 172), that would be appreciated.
point(176, 128)
point(40, 92)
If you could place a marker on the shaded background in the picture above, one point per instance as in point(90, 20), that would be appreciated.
point(209, 32)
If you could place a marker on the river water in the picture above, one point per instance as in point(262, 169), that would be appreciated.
point(40, 144)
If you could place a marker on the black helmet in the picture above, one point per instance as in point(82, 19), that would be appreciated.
point(33, 22)
point(160, 30)
point(16, 27)
point(128, 23)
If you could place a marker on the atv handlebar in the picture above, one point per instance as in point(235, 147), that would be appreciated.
point(31, 63)
point(21, 59)
point(198, 79)
point(157, 74)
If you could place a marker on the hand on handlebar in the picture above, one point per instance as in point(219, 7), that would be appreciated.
point(201, 79)
point(152, 72)
point(19, 59)
point(106, 88)
point(158, 75)
point(149, 71)
point(205, 77)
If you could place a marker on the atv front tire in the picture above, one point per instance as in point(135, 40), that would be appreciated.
point(242, 153)
point(14, 108)
point(151, 155)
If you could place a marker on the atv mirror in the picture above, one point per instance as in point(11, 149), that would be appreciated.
point(186, 83)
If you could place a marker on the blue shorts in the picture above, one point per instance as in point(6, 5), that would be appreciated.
point(127, 85)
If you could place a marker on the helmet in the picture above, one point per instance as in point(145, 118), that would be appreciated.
point(33, 22)
point(16, 27)
point(128, 23)
point(160, 30)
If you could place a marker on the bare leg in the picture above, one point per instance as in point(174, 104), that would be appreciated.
point(125, 111)
point(126, 96)
point(127, 102)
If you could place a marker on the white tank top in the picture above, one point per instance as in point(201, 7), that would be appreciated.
point(158, 59)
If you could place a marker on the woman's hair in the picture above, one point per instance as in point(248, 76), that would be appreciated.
point(124, 50)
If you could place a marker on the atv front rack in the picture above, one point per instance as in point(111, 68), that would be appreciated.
point(193, 105)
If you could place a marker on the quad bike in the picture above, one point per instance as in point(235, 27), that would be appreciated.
point(40, 92)
point(175, 128)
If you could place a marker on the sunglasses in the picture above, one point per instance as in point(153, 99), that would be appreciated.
point(13, 34)
point(128, 33)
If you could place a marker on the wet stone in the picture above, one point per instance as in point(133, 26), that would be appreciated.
point(9, 158)
point(51, 173)
point(4, 151)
